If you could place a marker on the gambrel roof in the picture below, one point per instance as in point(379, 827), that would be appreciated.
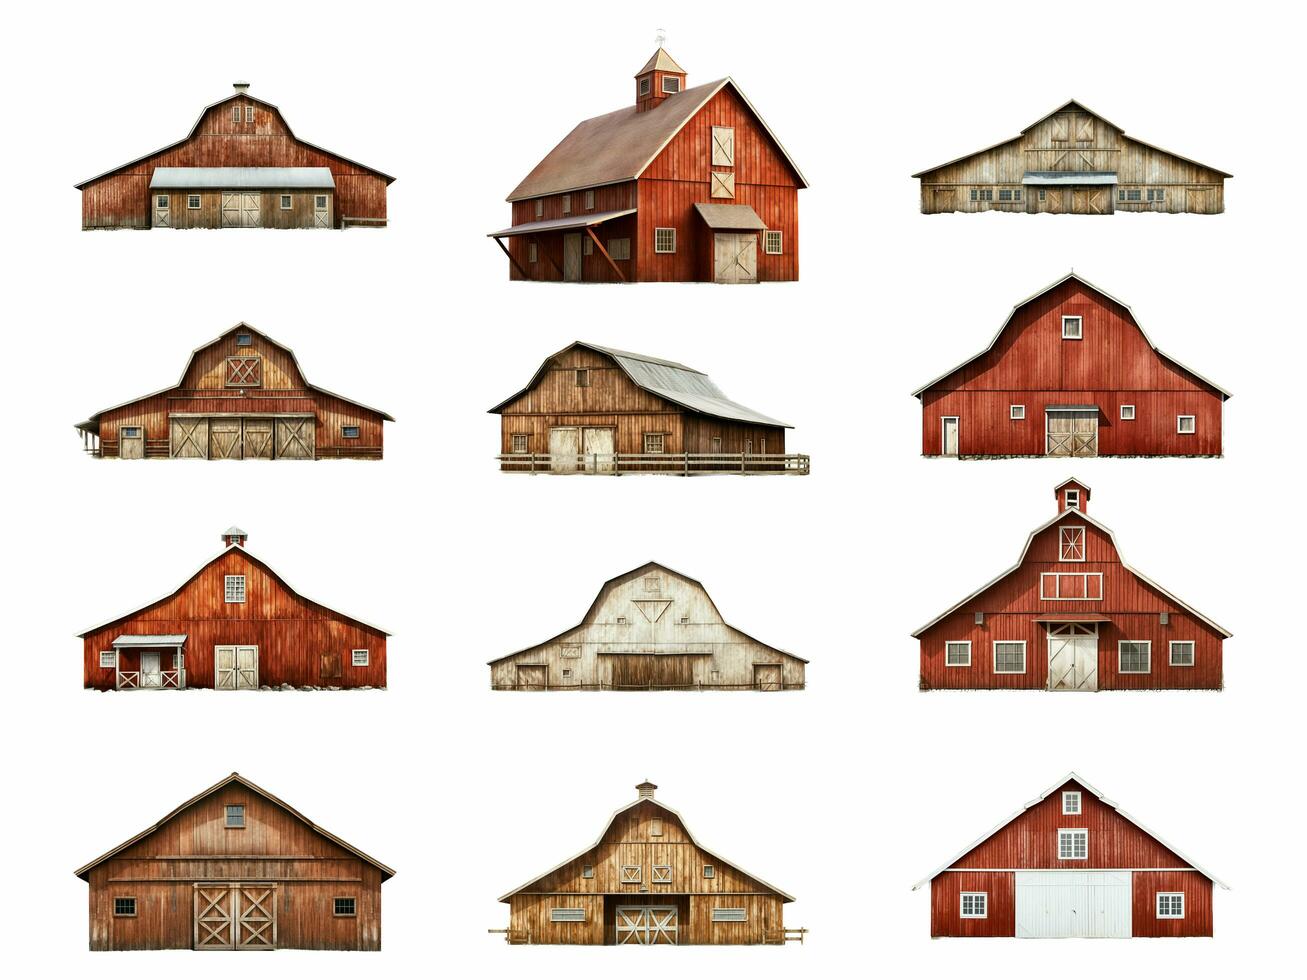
point(1047, 289)
point(634, 573)
point(676, 383)
point(237, 778)
point(1074, 106)
point(666, 809)
point(1070, 777)
point(620, 146)
point(1080, 516)
point(196, 128)
point(92, 423)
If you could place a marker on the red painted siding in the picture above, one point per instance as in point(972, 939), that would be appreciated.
point(946, 908)
point(548, 266)
point(1197, 891)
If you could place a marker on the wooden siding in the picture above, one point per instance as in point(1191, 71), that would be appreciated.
point(946, 904)
point(271, 214)
point(292, 634)
point(1012, 605)
point(275, 848)
point(122, 199)
point(1197, 891)
point(548, 266)
point(1032, 365)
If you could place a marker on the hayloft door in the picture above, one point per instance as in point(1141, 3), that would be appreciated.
point(949, 436)
point(258, 438)
point(296, 438)
point(1072, 657)
point(597, 445)
point(224, 439)
point(564, 449)
point(647, 925)
point(236, 668)
point(131, 442)
point(572, 258)
point(188, 438)
point(735, 257)
point(767, 677)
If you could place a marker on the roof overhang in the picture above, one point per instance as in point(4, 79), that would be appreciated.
point(1059, 178)
point(146, 640)
point(242, 178)
point(560, 224)
point(733, 217)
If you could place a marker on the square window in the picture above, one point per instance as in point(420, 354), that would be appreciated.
point(709, 871)
point(974, 905)
point(654, 442)
point(193, 202)
point(235, 816)
point(285, 202)
point(772, 242)
point(161, 201)
point(1186, 425)
point(124, 907)
point(1016, 412)
point(344, 906)
point(1073, 845)
point(1071, 802)
point(664, 240)
point(957, 653)
point(109, 658)
point(1073, 328)
point(583, 377)
point(1170, 905)
point(359, 658)
point(662, 874)
point(520, 442)
point(1182, 653)
point(589, 200)
point(1127, 413)
point(1134, 656)
point(671, 85)
point(1009, 656)
point(588, 871)
point(233, 588)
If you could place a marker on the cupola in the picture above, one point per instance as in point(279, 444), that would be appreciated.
point(1072, 495)
point(660, 78)
point(645, 790)
point(234, 536)
point(241, 87)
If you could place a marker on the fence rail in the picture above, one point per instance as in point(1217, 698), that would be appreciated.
point(756, 686)
point(134, 680)
point(682, 464)
point(786, 935)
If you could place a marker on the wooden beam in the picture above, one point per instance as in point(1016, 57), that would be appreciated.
point(604, 252)
point(522, 272)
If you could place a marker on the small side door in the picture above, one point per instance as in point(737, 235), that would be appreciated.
point(572, 258)
point(151, 672)
point(532, 677)
point(322, 211)
point(162, 211)
point(131, 442)
point(949, 435)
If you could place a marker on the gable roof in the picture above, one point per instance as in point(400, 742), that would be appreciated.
point(1080, 515)
point(1049, 288)
point(196, 128)
point(660, 60)
point(1074, 105)
point(673, 382)
point(620, 146)
point(617, 813)
point(258, 561)
point(91, 423)
point(237, 778)
point(640, 570)
point(1070, 777)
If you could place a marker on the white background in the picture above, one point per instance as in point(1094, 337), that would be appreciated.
point(843, 795)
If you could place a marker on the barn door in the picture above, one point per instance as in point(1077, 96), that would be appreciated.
point(1073, 904)
point(735, 257)
point(131, 442)
point(767, 677)
point(236, 916)
point(1072, 658)
point(949, 436)
point(532, 677)
point(231, 209)
point(251, 210)
point(188, 438)
point(224, 439)
point(258, 439)
point(236, 668)
point(597, 444)
point(647, 925)
point(256, 916)
point(214, 921)
point(296, 438)
point(564, 448)
point(572, 258)
point(1090, 200)
point(943, 199)
point(321, 211)
point(1071, 433)
point(1198, 200)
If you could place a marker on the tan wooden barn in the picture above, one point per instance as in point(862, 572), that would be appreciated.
point(647, 882)
point(235, 868)
point(1073, 161)
point(651, 629)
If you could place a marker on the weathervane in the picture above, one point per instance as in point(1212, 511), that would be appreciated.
point(661, 37)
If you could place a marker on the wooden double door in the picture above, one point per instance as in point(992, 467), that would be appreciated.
point(236, 668)
point(735, 256)
point(1073, 657)
point(242, 209)
point(235, 915)
point(1092, 199)
point(578, 449)
point(1071, 433)
point(647, 925)
point(241, 437)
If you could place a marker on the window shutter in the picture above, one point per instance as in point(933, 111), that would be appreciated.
point(723, 146)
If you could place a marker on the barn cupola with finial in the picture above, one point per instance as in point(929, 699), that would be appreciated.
point(1072, 495)
point(660, 78)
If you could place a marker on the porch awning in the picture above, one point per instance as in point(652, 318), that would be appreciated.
point(1071, 408)
point(560, 224)
point(162, 640)
point(1062, 178)
point(242, 178)
point(730, 217)
point(1074, 618)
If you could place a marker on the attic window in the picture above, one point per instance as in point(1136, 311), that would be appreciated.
point(671, 85)
point(1071, 544)
point(1071, 802)
point(344, 906)
point(583, 377)
point(244, 339)
point(124, 907)
point(233, 588)
point(249, 113)
point(1073, 845)
point(655, 827)
point(235, 818)
point(645, 86)
point(1073, 328)
point(236, 114)
point(652, 583)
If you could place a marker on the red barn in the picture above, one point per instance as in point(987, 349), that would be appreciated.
point(239, 167)
point(686, 185)
point(235, 625)
point(1070, 864)
point(1101, 624)
point(1071, 373)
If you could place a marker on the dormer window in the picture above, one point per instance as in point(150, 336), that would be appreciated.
point(1073, 499)
point(235, 816)
point(1071, 803)
point(1073, 328)
point(671, 85)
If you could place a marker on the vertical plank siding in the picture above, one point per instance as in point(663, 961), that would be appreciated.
point(946, 904)
point(1197, 890)
point(548, 266)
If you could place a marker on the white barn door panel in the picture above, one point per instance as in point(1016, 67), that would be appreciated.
point(1073, 904)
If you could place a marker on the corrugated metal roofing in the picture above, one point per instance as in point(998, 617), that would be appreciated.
point(1054, 178)
point(560, 224)
point(739, 216)
point(241, 178)
point(146, 640)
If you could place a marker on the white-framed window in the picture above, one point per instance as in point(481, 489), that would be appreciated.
point(235, 114)
point(319, 201)
point(1016, 412)
point(285, 202)
point(671, 84)
point(957, 653)
point(1071, 586)
point(619, 249)
point(730, 915)
point(654, 442)
point(532, 253)
point(161, 201)
point(662, 874)
point(193, 202)
point(1009, 656)
point(359, 658)
point(233, 588)
point(1186, 425)
point(108, 659)
point(567, 915)
point(234, 816)
point(632, 874)
point(1073, 845)
point(1071, 802)
point(1127, 413)
point(521, 442)
point(1170, 905)
point(773, 242)
point(249, 113)
point(1073, 499)
point(664, 240)
point(1073, 328)
point(540, 207)
point(1182, 653)
point(974, 905)
point(350, 432)
point(567, 204)
point(1157, 194)
point(1071, 543)
point(589, 200)
point(587, 871)
point(1134, 656)
point(709, 871)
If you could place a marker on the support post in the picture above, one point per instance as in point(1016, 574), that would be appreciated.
point(541, 248)
point(522, 272)
point(604, 252)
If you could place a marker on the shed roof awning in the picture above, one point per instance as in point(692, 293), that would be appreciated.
point(730, 216)
point(1074, 618)
point(1061, 178)
point(241, 178)
point(1071, 408)
point(146, 640)
point(560, 224)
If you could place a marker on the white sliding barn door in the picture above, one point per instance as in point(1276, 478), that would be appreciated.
point(1073, 904)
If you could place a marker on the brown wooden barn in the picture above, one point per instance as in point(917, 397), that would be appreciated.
point(1070, 864)
point(1071, 373)
point(1071, 615)
point(685, 185)
point(239, 167)
point(235, 868)
point(596, 410)
point(647, 882)
point(234, 625)
point(1073, 161)
point(650, 629)
point(240, 396)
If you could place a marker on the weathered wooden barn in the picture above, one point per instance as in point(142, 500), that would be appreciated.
point(647, 882)
point(1073, 161)
point(234, 625)
point(592, 409)
point(240, 396)
point(235, 868)
point(1071, 615)
point(650, 629)
point(1071, 373)
point(239, 167)
point(1070, 864)
point(686, 185)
